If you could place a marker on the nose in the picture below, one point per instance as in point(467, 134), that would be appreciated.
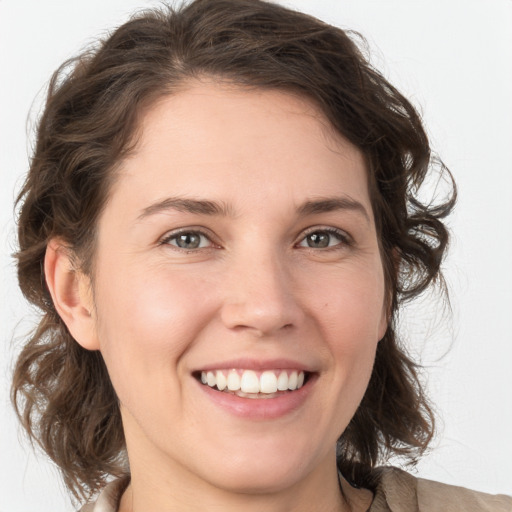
point(260, 297)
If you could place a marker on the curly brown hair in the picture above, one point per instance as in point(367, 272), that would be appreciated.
point(62, 392)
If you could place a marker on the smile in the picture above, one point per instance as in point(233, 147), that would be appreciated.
point(253, 384)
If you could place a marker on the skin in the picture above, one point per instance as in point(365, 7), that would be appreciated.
point(254, 289)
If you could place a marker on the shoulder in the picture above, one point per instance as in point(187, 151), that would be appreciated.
point(398, 491)
point(108, 499)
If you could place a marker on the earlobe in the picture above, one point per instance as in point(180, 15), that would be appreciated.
point(71, 294)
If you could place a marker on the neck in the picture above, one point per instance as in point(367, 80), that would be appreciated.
point(166, 483)
point(177, 490)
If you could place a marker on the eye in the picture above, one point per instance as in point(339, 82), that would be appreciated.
point(324, 239)
point(188, 240)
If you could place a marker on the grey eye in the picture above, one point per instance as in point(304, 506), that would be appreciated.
point(323, 238)
point(189, 240)
point(318, 240)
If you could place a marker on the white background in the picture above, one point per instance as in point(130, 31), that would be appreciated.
point(454, 60)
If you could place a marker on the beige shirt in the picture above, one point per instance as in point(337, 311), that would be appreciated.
point(397, 491)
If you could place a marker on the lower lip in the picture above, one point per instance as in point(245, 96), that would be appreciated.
point(260, 408)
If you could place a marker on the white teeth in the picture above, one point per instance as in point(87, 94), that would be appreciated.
point(268, 382)
point(245, 382)
point(292, 381)
point(282, 381)
point(300, 380)
point(221, 381)
point(250, 382)
point(233, 381)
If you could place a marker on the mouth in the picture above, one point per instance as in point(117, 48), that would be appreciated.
point(253, 384)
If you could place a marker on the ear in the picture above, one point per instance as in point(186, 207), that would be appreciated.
point(71, 294)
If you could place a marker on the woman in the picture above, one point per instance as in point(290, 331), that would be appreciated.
point(219, 224)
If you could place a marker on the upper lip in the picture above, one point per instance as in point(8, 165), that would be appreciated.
point(257, 365)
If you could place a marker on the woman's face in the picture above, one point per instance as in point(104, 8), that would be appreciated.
point(238, 244)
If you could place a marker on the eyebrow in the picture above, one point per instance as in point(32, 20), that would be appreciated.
point(198, 206)
point(330, 204)
point(206, 207)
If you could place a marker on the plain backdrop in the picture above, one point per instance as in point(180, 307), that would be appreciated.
point(453, 59)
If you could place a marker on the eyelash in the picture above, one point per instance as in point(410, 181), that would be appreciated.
point(344, 239)
point(167, 239)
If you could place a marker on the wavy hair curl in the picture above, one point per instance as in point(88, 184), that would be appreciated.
point(62, 392)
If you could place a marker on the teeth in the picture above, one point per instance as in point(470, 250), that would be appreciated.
point(282, 382)
point(233, 381)
point(292, 381)
point(247, 382)
point(300, 380)
point(268, 382)
point(250, 382)
point(221, 381)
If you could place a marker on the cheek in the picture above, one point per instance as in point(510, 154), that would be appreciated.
point(146, 322)
point(352, 315)
point(354, 307)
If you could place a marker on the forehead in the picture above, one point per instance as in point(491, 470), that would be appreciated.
point(224, 139)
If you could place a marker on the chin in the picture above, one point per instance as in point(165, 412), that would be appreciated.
point(261, 469)
point(272, 478)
